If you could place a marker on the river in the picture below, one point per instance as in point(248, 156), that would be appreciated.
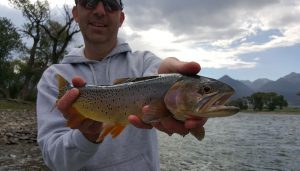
point(241, 142)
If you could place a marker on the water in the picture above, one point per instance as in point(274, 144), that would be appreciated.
point(242, 142)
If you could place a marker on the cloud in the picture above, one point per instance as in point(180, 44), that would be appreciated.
point(212, 32)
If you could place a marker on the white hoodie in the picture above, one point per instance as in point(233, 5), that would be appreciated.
point(66, 149)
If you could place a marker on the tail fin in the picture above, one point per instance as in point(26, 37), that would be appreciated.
point(62, 87)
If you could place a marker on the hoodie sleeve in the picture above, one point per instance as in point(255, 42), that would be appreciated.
point(62, 148)
point(151, 64)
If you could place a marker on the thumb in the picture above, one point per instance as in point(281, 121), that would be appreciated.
point(173, 65)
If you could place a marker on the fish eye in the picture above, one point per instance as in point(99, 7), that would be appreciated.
point(207, 89)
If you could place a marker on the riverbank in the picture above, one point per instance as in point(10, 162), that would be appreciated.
point(18, 146)
point(285, 111)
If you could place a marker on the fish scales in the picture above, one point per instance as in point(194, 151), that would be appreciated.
point(179, 95)
point(113, 104)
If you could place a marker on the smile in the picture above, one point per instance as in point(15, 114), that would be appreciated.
point(98, 24)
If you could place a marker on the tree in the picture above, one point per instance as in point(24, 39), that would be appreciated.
point(36, 14)
point(50, 40)
point(280, 101)
point(10, 40)
point(60, 35)
point(257, 101)
point(241, 103)
point(270, 101)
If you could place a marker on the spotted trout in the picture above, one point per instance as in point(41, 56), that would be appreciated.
point(181, 96)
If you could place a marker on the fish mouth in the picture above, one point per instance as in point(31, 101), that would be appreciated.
point(213, 105)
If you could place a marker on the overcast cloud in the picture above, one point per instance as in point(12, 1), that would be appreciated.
point(204, 30)
point(220, 34)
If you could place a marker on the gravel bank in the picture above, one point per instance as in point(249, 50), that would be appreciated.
point(18, 147)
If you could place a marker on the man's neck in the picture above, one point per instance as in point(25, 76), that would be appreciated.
point(98, 52)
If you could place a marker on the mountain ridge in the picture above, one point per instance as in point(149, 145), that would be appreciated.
point(288, 86)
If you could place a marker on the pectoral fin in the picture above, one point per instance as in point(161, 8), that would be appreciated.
point(155, 111)
point(199, 133)
point(114, 130)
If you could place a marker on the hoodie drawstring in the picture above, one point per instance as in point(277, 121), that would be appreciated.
point(107, 70)
point(93, 73)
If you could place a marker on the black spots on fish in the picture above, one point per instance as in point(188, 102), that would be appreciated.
point(109, 107)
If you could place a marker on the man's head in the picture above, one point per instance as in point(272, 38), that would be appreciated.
point(99, 20)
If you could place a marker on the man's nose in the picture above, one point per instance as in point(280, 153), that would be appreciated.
point(100, 9)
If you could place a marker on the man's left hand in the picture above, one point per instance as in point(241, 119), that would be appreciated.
point(170, 125)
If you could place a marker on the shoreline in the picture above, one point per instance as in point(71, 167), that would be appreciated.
point(271, 112)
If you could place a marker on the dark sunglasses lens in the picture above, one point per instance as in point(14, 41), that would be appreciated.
point(109, 5)
point(89, 4)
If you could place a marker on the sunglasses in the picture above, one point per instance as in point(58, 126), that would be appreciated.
point(109, 5)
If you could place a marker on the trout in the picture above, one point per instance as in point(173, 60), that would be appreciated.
point(181, 96)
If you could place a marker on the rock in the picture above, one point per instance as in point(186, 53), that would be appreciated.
point(12, 156)
point(18, 146)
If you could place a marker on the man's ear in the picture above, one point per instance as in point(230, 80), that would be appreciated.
point(122, 18)
point(75, 13)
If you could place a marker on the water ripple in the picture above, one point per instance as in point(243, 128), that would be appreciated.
point(241, 142)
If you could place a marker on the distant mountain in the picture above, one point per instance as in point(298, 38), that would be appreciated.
point(288, 86)
point(241, 90)
point(257, 84)
point(246, 82)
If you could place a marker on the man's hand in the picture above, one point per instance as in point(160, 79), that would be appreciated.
point(169, 125)
point(89, 128)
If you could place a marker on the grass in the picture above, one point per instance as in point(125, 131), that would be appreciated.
point(16, 105)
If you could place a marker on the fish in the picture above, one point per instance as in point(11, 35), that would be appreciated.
point(181, 96)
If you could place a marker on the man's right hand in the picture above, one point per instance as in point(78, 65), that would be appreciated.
point(89, 128)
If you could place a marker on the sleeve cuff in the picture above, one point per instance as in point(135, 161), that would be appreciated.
point(82, 143)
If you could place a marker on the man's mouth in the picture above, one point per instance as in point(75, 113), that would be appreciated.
point(98, 24)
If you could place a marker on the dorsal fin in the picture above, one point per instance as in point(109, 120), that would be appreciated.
point(120, 80)
point(127, 80)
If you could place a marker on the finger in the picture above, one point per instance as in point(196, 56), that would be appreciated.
point(195, 123)
point(90, 127)
point(173, 65)
point(84, 127)
point(78, 81)
point(68, 99)
point(134, 120)
point(174, 125)
point(189, 68)
point(154, 112)
point(161, 128)
point(74, 121)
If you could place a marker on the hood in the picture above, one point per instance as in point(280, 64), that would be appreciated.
point(77, 54)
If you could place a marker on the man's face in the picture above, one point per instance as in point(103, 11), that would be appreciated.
point(98, 25)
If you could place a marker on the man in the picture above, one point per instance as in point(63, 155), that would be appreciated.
point(103, 59)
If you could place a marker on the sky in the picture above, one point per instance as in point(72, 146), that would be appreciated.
point(245, 39)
